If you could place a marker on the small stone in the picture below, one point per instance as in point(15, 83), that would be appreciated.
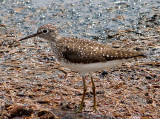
point(20, 94)
point(104, 73)
point(148, 77)
point(149, 101)
point(146, 94)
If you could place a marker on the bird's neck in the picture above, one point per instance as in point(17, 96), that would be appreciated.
point(55, 46)
point(57, 38)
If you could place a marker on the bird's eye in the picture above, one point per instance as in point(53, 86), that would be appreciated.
point(44, 31)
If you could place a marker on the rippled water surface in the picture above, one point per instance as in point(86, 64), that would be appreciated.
point(82, 18)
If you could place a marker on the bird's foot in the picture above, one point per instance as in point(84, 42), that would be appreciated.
point(64, 71)
point(94, 109)
point(80, 109)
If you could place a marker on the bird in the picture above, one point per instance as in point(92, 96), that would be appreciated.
point(83, 55)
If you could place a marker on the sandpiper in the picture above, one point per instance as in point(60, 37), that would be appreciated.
point(84, 56)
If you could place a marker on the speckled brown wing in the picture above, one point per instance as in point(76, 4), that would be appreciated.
point(81, 51)
point(73, 56)
point(92, 52)
point(115, 54)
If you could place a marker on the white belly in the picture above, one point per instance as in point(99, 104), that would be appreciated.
point(92, 67)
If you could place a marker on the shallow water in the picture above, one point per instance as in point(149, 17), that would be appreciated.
point(81, 18)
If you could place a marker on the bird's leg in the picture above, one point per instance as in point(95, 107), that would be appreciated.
point(94, 93)
point(84, 93)
point(65, 72)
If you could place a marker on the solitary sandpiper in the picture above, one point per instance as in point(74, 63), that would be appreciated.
point(84, 56)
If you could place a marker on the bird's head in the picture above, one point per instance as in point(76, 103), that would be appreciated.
point(48, 32)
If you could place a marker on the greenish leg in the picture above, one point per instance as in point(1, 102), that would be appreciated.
point(84, 93)
point(94, 94)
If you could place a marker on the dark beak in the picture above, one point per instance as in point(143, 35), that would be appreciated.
point(30, 36)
